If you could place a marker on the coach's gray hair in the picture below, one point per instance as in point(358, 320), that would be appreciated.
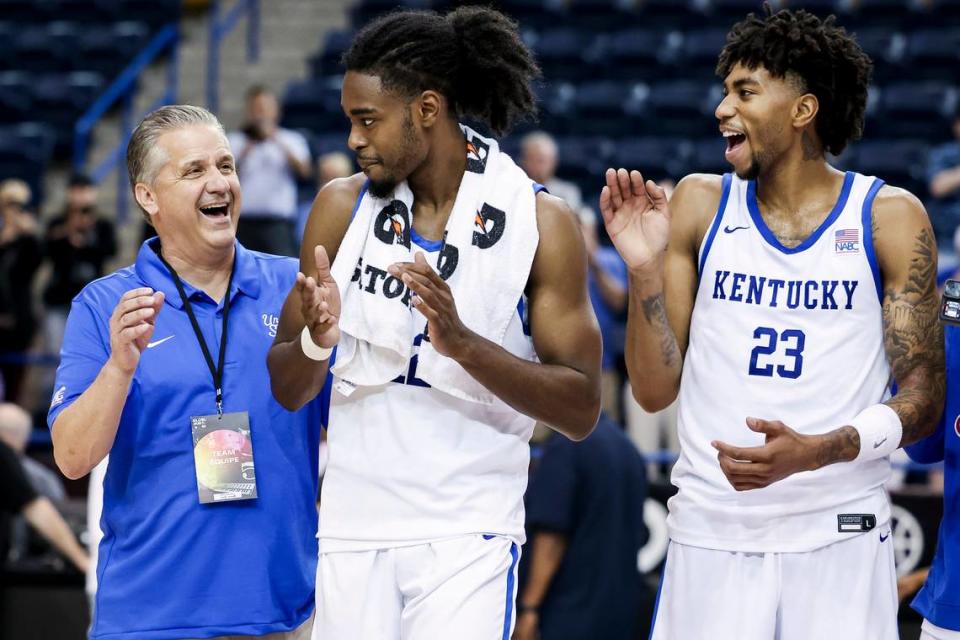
point(144, 156)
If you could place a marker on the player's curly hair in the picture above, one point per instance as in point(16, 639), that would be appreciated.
point(473, 55)
point(822, 56)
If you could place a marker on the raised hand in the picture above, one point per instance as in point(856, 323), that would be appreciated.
point(637, 218)
point(320, 301)
point(131, 326)
point(434, 300)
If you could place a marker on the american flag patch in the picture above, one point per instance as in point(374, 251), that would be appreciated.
point(847, 241)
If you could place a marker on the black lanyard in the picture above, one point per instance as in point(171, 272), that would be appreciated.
point(217, 372)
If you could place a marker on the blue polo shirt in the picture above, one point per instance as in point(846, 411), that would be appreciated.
point(939, 599)
point(170, 567)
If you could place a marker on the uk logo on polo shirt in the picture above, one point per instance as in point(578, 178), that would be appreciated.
point(58, 397)
point(956, 425)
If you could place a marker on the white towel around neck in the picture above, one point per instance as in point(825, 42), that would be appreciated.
point(490, 240)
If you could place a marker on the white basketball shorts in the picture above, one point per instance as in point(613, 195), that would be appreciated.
point(461, 588)
point(844, 591)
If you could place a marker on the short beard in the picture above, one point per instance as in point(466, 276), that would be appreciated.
point(752, 172)
point(386, 186)
point(382, 188)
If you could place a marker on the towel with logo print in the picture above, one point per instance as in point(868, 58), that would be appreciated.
point(490, 240)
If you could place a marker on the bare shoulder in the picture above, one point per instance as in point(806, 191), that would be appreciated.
point(330, 216)
point(693, 205)
point(338, 195)
point(554, 213)
point(902, 234)
point(560, 249)
point(894, 206)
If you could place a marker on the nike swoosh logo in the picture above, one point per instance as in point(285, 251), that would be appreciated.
point(151, 345)
point(879, 442)
point(729, 229)
point(883, 538)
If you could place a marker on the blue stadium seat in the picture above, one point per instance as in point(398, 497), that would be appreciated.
point(708, 156)
point(108, 51)
point(821, 8)
point(916, 109)
point(886, 48)
point(7, 49)
point(656, 158)
point(601, 16)
point(683, 107)
point(561, 53)
point(327, 61)
point(329, 141)
point(641, 54)
point(84, 11)
point(25, 153)
point(36, 50)
point(59, 99)
point(155, 13)
point(934, 54)
point(900, 162)
point(534, 14)
point(882, 13)
point(556, 103)
point(16, 85)
point(366, 10)
point(671, 14)
point(700, 51)
point(601, 106)
point(26, 11)
point(583, 159)
point(314, 104)
point(725, 13)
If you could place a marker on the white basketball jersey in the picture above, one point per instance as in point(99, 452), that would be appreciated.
point(790, 334)
point(410, 464)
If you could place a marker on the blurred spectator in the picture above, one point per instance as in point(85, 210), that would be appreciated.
point(18, 497)
point(335, 164)
point(15, 428)
point(270, 160)
point(20, 255)
point(943, 175)
point(538, 157)
point(585, 525)
point(78, 244)
point(607, 282)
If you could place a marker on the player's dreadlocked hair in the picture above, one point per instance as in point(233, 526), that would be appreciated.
point(473, 56)
point(822, 56)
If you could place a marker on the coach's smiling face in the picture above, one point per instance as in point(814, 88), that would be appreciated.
point(761, 117)
point(194, 198)
point(385, 131)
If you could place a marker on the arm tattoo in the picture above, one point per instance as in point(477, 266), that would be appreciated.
point(913, 339)
point(656, 315)
point(840, 445)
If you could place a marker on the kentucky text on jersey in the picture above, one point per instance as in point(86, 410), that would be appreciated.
point(792, 294)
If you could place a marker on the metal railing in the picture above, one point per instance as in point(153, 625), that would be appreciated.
point(220, 28)
point(124, 90)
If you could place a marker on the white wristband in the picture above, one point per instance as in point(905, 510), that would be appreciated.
point(311, 349)
point(880, 431)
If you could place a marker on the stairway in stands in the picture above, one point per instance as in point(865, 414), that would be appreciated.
point(290, 31)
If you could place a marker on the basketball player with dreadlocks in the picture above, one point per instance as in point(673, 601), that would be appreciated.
point(780, 301)
point(458, 304)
